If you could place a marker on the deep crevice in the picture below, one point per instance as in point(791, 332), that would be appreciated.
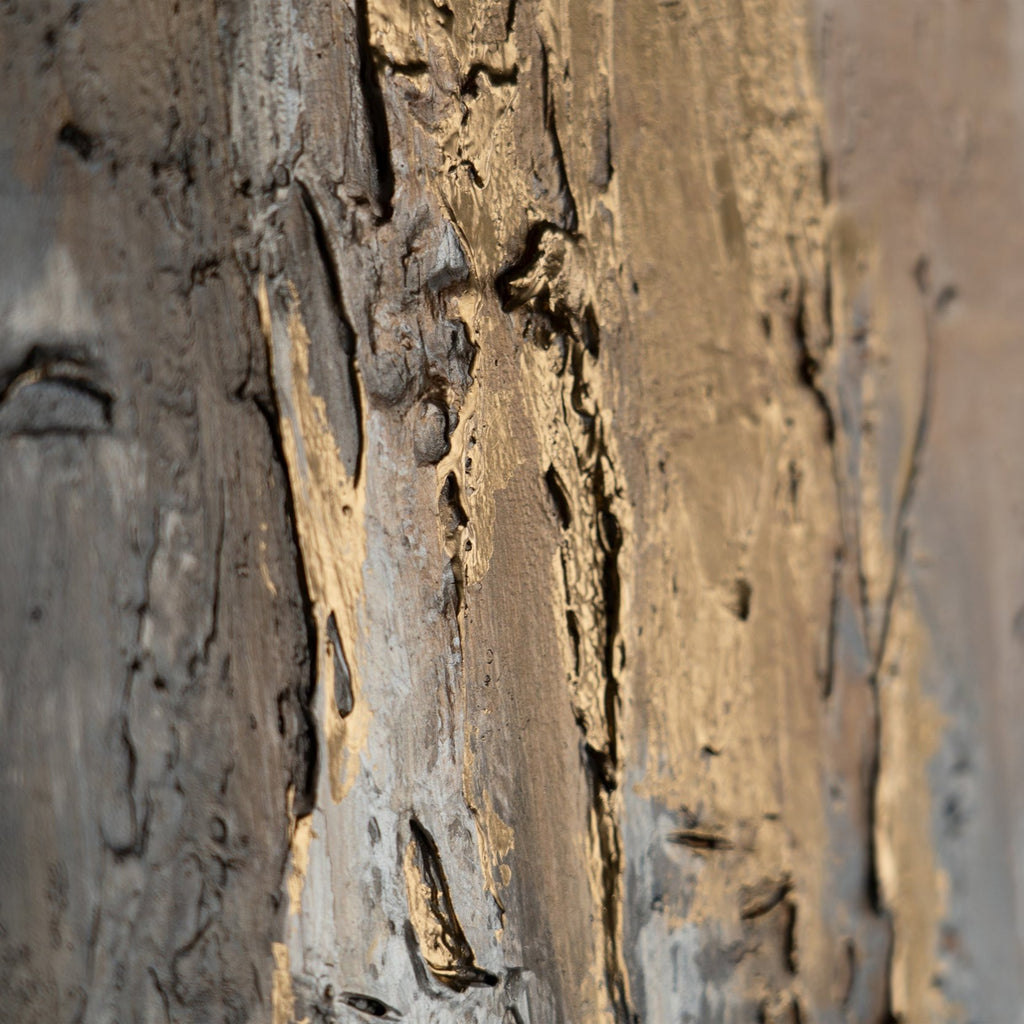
point(470, 169)
point(376, 112)
point(559, 497)
point(700, 839)
point(829, 668)
point(409, 68)
point(609, 163)
point(761, 899)
point(742, 595)
point(790, 949)
point(331, 270)
point(344, 699)
point(807, 365)
point(587, 519)
point(602, 781)
point(609, 534)
point(78, 139)
point(453, 518)
point(590, 331)
point(496, 76)
point(446, 14)
point(370, 1005)
point(444, 946)
point(307, 746)
point(565, 190)
point(528, 257)
point(573, 627)
point(510, 18)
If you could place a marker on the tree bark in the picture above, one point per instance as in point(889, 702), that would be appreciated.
point(510, 511)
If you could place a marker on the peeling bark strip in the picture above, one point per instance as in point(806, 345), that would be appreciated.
point(307, 744)
point(328, 506)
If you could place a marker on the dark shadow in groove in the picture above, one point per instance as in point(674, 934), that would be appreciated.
point(344, 699)
point(559, 498)
point(370, 1005)
point(808, 368)
point(348, 344)
point(565, 189)
point(376, 112)
point(307, 747)
point(452, 961)
point(78, 139)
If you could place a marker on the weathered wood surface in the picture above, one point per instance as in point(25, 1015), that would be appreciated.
point(510, 511)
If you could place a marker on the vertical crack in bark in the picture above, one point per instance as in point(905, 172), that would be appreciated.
point(559, 498)
point(510, 18)
point(453, 521)
point(569, 214)
point(126, 758)
point(322, 239)
point(602, 761)
point(376, 113)
point(304, 777)
point(808, 368)
point(828, 672)
point(121, 737)
point(808, 373)
point(218, 556)
point(344, 699)
point(583, 493)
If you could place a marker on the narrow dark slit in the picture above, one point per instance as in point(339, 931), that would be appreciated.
point(559, 498)
point(376, 112)
point(344, 699)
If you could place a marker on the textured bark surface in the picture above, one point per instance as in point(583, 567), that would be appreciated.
point(511, 511)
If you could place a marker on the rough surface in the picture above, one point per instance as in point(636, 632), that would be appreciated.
point(509, 511)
